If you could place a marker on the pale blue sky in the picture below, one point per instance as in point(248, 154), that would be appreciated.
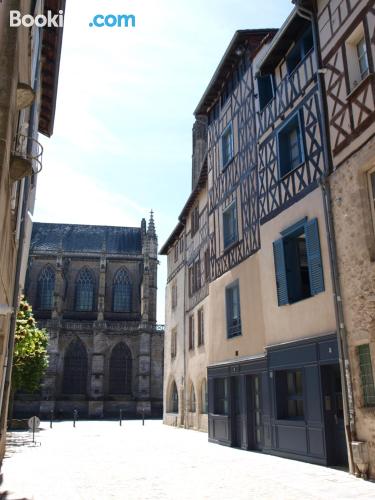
point(122, 138)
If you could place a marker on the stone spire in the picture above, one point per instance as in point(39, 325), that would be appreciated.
point(151, 226)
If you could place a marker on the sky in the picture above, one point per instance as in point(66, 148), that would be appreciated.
point(122, 136)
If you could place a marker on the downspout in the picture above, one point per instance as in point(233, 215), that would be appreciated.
point(184, 398)
point(347, 393)
point(15, 301)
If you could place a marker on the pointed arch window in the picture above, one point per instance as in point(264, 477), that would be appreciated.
point(46, 287)
point(75, 369)
point(120, 370)
point(84, 290)
point(174, 399)
point(122, 292)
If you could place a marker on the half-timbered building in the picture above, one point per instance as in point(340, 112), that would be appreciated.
point(187, 313)
point(346, 31)
point(94, 290)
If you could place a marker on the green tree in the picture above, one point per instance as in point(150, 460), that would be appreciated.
point(30, 358)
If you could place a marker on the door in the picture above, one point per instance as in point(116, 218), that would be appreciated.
point(334, 415)
point(255, 427)
point(236, 412)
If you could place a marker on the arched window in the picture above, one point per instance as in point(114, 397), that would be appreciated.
point(122, 292)
point(174, 399)
point(75, 369)
point(120, 370)
point(46, 287)
point(84, 290)
point(193, 405)
point(204, 398)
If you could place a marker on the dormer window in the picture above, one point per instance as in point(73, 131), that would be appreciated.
point(300, 50)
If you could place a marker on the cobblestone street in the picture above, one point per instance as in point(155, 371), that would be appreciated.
point(101, 460)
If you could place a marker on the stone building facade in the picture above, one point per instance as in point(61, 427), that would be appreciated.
point(347, 40)
point(94, 290)
point(29, 61)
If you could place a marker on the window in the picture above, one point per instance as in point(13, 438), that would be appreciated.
point(75, 368)
point(300, 50)
point(174, 295)
point(298, 263)
point(362, 58)
point(120, 370)
point(84, 291)
point(357, 57)
point(291, 153)
point(194, 277)
point(367, 378)
point(227, 145)
point(230, 225)
point(192, 399)
point(221, 396)
point(176, 252)
point(181, 244)
point(122, 292)
point(207, 265)
point(46, 287)
point(289, 395)
point(174, 399)
point(174, 343)
point(265, 90)
point(204, 396)
point(232, 298)
point(214, 113)
point(200, 327)
point(191, 332)
point(194, 220)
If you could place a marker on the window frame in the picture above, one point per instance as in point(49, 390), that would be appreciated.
point(227, 130)
point(367, 378)
point(200, 320)
point(174, 295)
point(231, 208)
point(283, 396)
point(232, 330)
point(286, 129)
point(174, 342)
point(191, 333)
point(314, 260)
point(221, 398)
point(194, 220)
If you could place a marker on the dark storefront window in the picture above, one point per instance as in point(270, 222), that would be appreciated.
point(289, 395)
point(221, 396)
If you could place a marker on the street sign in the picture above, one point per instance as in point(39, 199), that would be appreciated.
point(34, 423)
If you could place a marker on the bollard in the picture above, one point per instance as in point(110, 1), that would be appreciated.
point(75, 415)
point(51, 419)
point(143, 416)
point(120, 417)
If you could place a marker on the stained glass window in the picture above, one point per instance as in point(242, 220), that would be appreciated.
point(122, 292)
point(46, 287)
point(120, 371)
point(85, 290)
point(75, 369)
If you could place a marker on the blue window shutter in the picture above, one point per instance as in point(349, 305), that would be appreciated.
point(314, 257)
point(280, 270)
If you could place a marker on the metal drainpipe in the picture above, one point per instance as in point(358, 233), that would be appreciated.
point(16, 291)
point(184, 398)
point(348, 408)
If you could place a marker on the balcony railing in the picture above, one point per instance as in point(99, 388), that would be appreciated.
point(288, 91)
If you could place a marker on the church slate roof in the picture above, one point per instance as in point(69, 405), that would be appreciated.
point(71, 238)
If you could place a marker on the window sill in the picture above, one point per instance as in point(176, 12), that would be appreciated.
point(360, 85)
point(234, 336)
point(224, 167)
point(230, 247)
point(284, 176)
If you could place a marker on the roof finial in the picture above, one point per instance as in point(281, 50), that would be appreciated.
point(151, 225)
